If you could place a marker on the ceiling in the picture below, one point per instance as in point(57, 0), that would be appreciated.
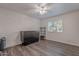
point(29, 9)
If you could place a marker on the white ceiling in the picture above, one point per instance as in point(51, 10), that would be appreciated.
point(29, 9)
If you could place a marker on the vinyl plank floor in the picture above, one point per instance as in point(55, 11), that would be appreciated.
point(42, 48)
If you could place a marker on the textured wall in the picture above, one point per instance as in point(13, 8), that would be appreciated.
point(71, 28)
point(11, 23)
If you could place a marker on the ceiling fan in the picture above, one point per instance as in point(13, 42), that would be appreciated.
point(42, 8)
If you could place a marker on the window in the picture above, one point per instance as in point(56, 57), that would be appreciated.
point(55, 26)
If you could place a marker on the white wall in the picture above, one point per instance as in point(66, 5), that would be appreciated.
point(11, 23)
point(71, 28)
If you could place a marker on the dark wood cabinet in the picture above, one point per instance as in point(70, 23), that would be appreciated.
point(28, 37)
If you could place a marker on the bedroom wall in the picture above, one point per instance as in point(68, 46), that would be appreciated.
point(11, 23)
point(70, 35)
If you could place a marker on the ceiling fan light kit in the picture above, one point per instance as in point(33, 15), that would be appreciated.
point(42, 9)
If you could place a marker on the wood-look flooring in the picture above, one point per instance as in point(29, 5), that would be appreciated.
point(42, 48)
